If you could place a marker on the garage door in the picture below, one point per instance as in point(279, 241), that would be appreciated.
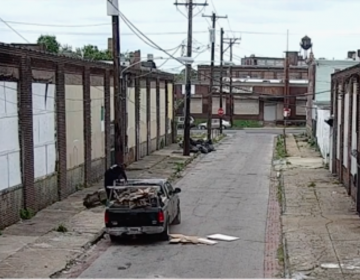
point(269, 112)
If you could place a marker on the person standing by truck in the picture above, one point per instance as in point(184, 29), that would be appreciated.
point(115, 172)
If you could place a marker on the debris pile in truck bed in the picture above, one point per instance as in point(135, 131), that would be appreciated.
point(136, 197)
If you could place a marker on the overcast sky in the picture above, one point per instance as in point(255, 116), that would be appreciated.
point(261, 24)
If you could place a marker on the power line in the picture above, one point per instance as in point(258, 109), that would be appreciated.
point(155, 33)
point(16, 32)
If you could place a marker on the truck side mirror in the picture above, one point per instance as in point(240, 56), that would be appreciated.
point(177, 190)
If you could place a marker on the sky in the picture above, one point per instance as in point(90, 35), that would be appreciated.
point(261, 25)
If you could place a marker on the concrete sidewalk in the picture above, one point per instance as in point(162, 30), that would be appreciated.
point(59, 234)
point(320, 226)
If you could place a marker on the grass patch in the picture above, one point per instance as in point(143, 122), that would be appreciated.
point(281, 254)
point(61, 228)
point(312, 185)
point(199, 121)
point(246, 123)
point(219, 138)
point(179, 166)
point(279, 194)
point(26, 214)
point(280, 151)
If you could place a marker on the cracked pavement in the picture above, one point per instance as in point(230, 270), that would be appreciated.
point(320, 223)
point(223, 192)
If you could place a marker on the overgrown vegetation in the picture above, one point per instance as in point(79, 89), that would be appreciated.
point(246, 124)
point(311, 185)
point(162, 143)
point(279, 194)
point(179, 166)
point(219, 138)
point(281, 254)
point(61, 228)
point(26, 214)
point(280, 151)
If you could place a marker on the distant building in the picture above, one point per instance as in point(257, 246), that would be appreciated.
point(344, 123)
point(258, 89)
point(319, 97)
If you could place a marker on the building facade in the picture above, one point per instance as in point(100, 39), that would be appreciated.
point(345, 148)
point(257, 90)
point(319, 97)
point(56, 116)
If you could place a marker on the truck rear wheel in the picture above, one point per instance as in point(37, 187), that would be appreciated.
point(113, 238)
point(177, 220)
point(164, 236)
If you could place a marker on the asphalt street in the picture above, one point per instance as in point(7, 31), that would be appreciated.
point(275, 131)
point(224, 192)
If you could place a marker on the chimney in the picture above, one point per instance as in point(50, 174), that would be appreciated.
point(137, 59)
point(358, 53)
point(351, 55)
point(150, 57)
point(110, 45)
point(293, 58)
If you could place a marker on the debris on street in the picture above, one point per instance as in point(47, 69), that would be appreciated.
point(186, 239)
point(222, 237)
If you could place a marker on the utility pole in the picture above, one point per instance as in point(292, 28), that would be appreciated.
point(113, 11)
point(286, 88)
point(190, 5)
point(221, 74)
point(231, 42)
point(213, 17)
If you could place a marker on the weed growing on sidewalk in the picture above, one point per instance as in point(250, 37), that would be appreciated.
point(280, 254)
point(312, 185)
point(26, 214)
point(219, 138)
point(280, 147)
point(279, 194)
point(61, 228)
point(179, 166)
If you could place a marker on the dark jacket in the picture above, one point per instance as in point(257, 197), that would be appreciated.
point(114, 173)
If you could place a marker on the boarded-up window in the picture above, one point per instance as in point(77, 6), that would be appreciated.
point(246, 107)
point(301, 108)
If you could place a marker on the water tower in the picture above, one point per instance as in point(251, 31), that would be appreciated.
point(305, 45)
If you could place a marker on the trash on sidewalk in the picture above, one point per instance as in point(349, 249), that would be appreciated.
point(222, 237)
point(95, 199)
point(186, 239)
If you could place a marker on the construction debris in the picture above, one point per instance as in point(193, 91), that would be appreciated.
point(136, 197)
point(95, 199)
point(222, 237)
point(186, 239)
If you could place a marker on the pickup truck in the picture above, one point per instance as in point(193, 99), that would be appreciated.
point(154, 218)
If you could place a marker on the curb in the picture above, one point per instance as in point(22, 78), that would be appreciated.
point(282, 204)
point(98, 236)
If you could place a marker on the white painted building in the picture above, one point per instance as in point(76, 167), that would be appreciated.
point(321, 103)
point(9, 140)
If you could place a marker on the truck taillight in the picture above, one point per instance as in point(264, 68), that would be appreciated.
point(106, 217)
point(161, 217)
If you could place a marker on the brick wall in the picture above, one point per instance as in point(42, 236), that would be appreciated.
point(25, 66)
point(343, 82)
point(202, 90)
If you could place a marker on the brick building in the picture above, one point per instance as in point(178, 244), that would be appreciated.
point(345, 124)
point(258, 89)
point(57, 115)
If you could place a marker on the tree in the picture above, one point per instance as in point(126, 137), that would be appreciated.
point(181, 76)
point(93, 53)
point(50, 43)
